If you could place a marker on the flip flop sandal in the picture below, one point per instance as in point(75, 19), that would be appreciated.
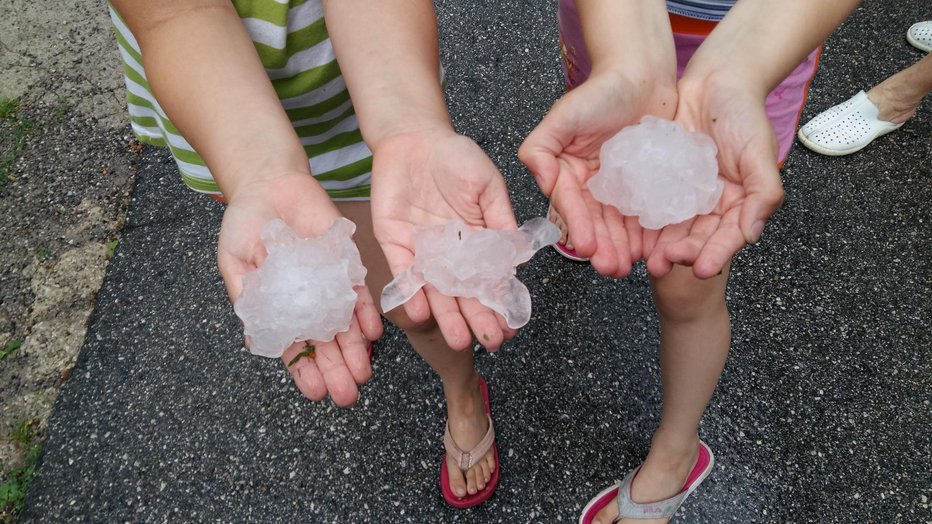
point(920, 35)
point(845, 128)
point(466, 460)
point(562, 249)
point(661, 509)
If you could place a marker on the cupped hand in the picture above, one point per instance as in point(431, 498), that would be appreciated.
point(735, 116)
point(431, 177)
point(563, 154)
point(337, 367)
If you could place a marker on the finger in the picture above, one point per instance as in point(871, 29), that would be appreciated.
point(539, 153)
point(367, 314)
point(340, 383)
point(304, 372)
point(569, 202)
point(764, 189)
point(232, 270)
point(482, 322)
point(618, 235)
point(447, 314)
point(635, 238)
point(686, 251)
point(354, 348)
point(658, 265)
point(605, 258)
point(720, 248)
point(495, 205)
point(508, 333)
point(649, 239)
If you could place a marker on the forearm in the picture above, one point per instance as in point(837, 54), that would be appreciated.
point(206, 74)
point(761, 41)
point(631, 35)
point(389, 59)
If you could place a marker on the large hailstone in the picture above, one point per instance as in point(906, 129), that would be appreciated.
point(659, 172)
point(303, 290)
point(461, 262)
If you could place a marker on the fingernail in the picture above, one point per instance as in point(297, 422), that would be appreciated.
point(756, 231)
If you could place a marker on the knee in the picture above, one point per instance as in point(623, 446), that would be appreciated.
point(679, 296)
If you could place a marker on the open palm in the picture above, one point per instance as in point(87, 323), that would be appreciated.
point(432, 177)
point(338, 366)
point(563, 154)
point(737, 121)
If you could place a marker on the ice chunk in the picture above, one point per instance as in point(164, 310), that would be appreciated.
point(461, 262)
point(659, 172)
point(303, 290)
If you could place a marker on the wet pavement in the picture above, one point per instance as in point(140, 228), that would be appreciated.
point(823, 413)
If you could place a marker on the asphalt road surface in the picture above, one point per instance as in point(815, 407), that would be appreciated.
point(823, 413)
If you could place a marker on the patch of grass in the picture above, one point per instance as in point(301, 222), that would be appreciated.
point(62, 107)
point(111, 248)
point(8, 106)
point(9, 348)
point(43, 253)
point(18, 477)
point(13, 137)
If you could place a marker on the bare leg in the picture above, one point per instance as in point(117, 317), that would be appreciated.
point(465, 405)
point(898, 96)
point(695, 336)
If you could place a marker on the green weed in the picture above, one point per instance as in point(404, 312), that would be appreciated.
point(14, 140)
point(9, 348)
point(111, 248)
point(8, 106)
point(18, 477)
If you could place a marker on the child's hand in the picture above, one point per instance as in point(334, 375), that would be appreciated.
point(735, 117)
point(563, 154)
point(433, 177)
point(341, 365)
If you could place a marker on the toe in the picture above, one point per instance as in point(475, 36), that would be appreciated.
point(457, 481)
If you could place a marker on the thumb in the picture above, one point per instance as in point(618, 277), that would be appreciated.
point(539, 153)
point(763, 194)
point(495, 206)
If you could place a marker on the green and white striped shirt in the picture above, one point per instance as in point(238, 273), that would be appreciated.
point(292, 41)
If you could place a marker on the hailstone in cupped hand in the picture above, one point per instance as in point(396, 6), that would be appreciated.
point(462, 262)
point(659, 172)
point(303, 290)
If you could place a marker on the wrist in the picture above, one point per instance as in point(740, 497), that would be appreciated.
point(259, 169)
point(406, 125)
point(711, 75)
point(406, 129)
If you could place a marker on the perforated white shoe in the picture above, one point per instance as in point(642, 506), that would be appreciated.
point(845, 128)
point(920, 35)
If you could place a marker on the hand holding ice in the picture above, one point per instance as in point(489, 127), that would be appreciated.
point(303, 290)
point(461, 262)
point(659, 172)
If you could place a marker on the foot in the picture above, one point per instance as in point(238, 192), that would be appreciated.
point(662, 476)
point(895, 106)
point(469, 422)
point(557, 220)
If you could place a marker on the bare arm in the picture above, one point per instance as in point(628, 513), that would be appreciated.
point(423, 173)
point(389, 58)
point(761, 41)
point(206, 74)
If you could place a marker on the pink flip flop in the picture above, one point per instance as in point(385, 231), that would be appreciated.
point(562, 249)
point(627, 508)
point(467, 459)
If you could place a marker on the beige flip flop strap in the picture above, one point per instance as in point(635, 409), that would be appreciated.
point(467, 459)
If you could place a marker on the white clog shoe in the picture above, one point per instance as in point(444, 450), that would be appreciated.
point(845, 128)
point(920, 35)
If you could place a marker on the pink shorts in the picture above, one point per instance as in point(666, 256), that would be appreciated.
point(784, 104)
